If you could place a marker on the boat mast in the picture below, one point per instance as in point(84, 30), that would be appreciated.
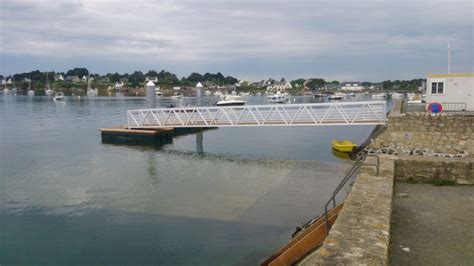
point(47, 82)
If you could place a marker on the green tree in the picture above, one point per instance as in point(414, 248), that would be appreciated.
point(78, 71)
point(136, 78)
point(316, 83)
point(195, 77)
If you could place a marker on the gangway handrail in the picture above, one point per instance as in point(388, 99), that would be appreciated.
point(306, 114)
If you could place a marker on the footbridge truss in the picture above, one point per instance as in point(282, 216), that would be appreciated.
point(312, 114)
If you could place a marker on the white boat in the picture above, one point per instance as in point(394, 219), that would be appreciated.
point(6, 91)
point(337, 96)
point(244, 93)
point(219, 94)
point(14, 89)
point(318, 95)
point(91, 91)
point(59, 96)
point(177, 95)
point(277, 98)
point(381, 95)
point(158, 92)
point(48, 91)
point(413, 98)
point(231, 100)
point(30, 91)
point(397, 95)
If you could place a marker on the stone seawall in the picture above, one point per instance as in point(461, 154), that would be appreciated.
point(360, 235)
point(421, 134)
point(424, 169)
point(416, 147)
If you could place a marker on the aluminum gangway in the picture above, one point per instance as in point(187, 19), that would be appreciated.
point(306, 114)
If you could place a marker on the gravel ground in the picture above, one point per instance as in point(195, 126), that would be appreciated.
point(432, 225)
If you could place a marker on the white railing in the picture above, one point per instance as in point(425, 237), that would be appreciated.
point(314, 114)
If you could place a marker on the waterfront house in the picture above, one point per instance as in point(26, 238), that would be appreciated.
point(58, 77)
point(278, 86)
point(72, 78)
point(153, 79)
point(351, 86)
point(330, 87)
point(451, 88)
point(119, 85)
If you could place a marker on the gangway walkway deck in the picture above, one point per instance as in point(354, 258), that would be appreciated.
point(312, 114)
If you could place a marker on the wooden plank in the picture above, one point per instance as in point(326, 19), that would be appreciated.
point(305, 242)
point(124, 130)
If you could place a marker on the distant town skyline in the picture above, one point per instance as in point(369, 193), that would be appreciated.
point(334, 40)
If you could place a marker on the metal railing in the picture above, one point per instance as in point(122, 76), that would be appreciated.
point(349, 176)
point(316, 114)
point(454, 106)
point(447, 107)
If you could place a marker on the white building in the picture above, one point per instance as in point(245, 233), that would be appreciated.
point(58, 77)
point(451, 88)
point(278, 86)
point(153, 79)
point(351, 86)
point(119, 86)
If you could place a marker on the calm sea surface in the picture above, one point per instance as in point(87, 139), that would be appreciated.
point(66, 198)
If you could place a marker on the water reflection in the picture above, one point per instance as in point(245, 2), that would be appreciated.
point(154, 177)
point(199, 144)
point(116, 204)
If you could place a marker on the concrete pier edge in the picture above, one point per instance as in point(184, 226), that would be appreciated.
point(361, 234)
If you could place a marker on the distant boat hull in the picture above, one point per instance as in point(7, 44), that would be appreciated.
point(337, 96)
point(277, 98)
point(92, 92)
point(230, 103)
point(59, 97)
point(379, 96)
point(31, 93)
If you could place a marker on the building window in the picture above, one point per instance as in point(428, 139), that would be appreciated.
point(437, 87)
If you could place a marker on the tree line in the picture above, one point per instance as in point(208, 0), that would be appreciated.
point(168, 79)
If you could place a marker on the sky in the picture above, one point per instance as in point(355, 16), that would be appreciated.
point(342, 40)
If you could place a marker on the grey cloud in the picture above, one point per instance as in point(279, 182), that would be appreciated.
point(204, 34)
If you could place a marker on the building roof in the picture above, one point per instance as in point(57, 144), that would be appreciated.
point(451, 75)
point(351, 83)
